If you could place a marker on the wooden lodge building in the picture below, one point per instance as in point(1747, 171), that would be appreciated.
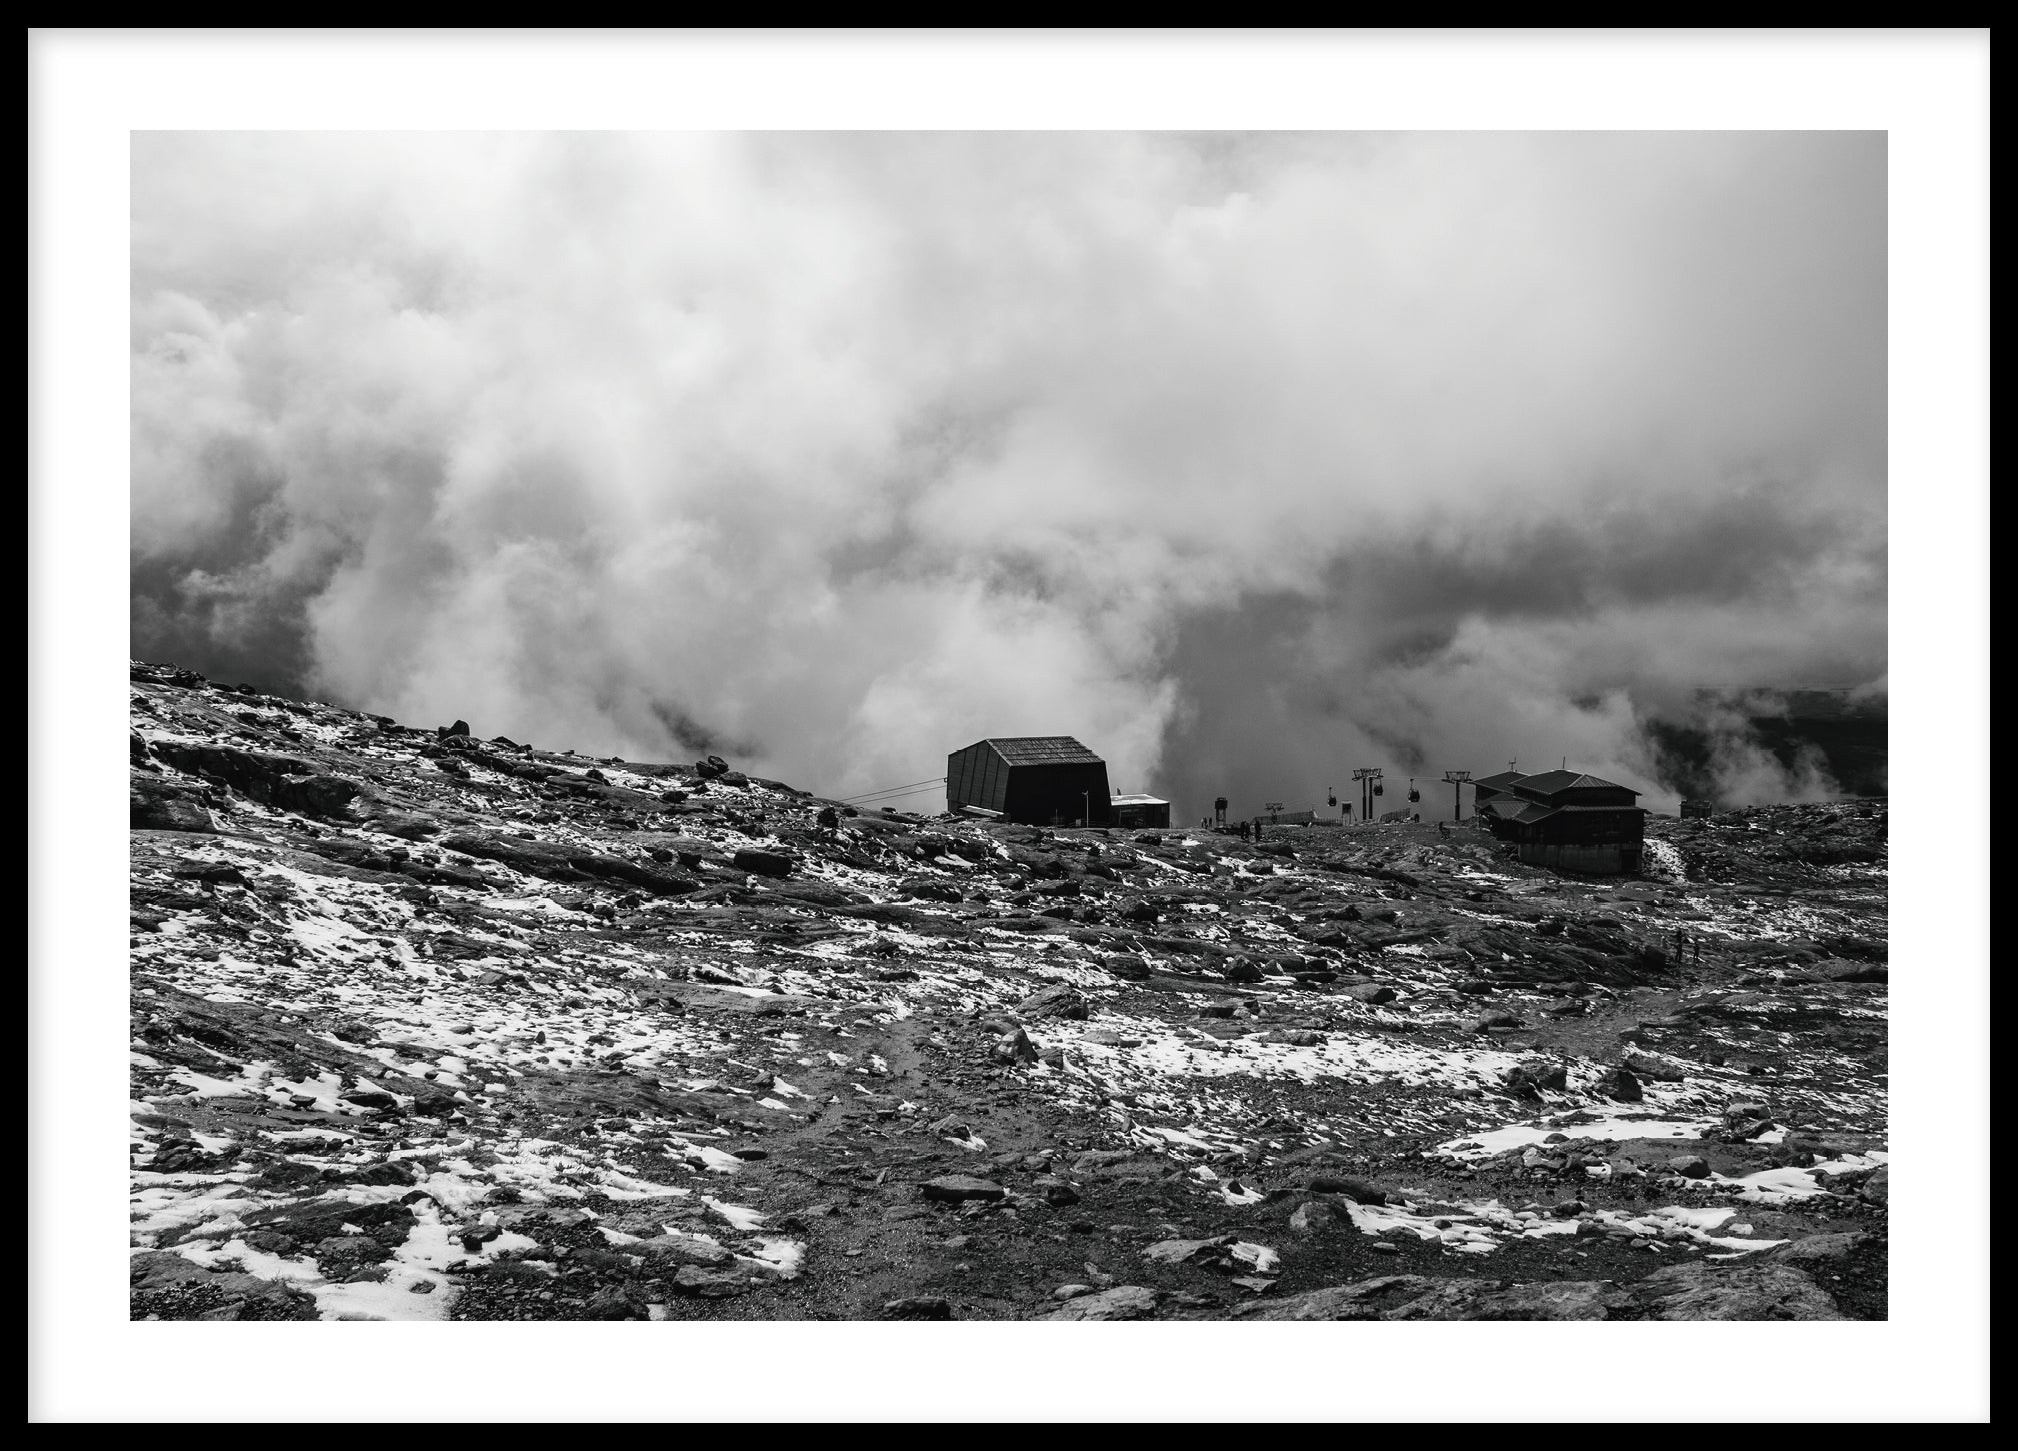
point(1565, 819)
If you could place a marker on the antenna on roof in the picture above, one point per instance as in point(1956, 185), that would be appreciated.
point(1566, 763)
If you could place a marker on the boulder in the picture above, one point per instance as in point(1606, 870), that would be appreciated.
point(1123, 1302)
point(1694, 1291)
point(310, 1221)
point(1661, 1070)
point(960, 1188)
point(1819, 1250)
point(1059, 1001)
point(1312, 1216)
point(763, 863)
point(1527, 1080)
point(1014, 1047)
point(1620, 1085)
point(710, 1284)
point(1752, 1291)
point(1878, 1188)
point(1057, 1193)
point(166, 806)
point(929, 889)
point(918, 1307)
point(1214, 1253)
point(1419, 1297)
point(1357, 1190)
point(617, 1302)
point(162, 1282)
point(677, 1249)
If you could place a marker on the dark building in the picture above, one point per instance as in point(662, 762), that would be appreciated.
point(1131, 809)
point(1566, 819)
point(1038, 780)
point(1698, 807)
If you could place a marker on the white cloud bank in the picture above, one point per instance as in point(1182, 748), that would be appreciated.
point(1246, 459)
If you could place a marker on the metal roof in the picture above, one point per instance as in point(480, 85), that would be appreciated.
point(1549, 813)
point(1042, 751)
point(1135, 798)
point(1508, 808)
point(1550, 782)
point(1512, 808)
point(1499, 782)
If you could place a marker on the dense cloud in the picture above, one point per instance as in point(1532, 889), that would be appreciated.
point(1246, 459)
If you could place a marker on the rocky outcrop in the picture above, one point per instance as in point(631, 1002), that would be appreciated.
point(1680, 1292)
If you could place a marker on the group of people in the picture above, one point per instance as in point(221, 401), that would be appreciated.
point(1245, 830)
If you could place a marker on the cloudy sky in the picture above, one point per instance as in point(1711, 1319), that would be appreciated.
point(1246, 458)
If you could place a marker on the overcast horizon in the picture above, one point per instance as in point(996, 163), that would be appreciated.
point(1245, 458)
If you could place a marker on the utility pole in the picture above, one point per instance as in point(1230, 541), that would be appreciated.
point(1366, 776)
point(1457, 780)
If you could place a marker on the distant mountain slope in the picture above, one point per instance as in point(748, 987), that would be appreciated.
point(1845, 736)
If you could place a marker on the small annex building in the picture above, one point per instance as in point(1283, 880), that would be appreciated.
point(1132, 810)
point(1566, 819)
point(1035, 780)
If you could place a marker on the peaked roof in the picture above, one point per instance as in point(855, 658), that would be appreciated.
point(1550, 782)
point(1042, 751)
point(1509, 808)
point(1512, 808)
point(1500, 781)
point(1136, 798)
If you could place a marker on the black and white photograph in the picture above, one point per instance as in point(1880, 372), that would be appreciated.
point(739, 728)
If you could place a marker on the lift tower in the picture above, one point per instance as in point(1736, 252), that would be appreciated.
point(1457, 780)
point(1369, 787)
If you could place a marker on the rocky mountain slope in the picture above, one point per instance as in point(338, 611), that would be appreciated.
point(433, 1027)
